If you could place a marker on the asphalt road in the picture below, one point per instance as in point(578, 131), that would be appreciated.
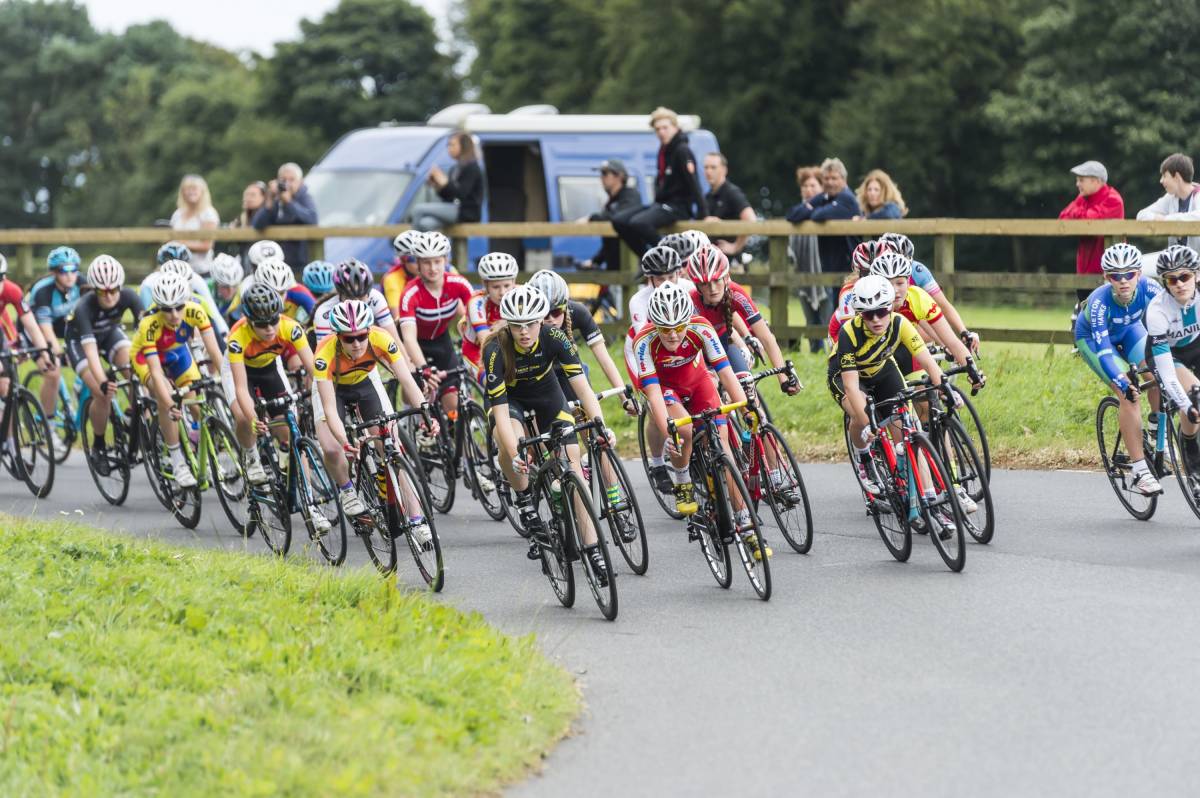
point(1062, 661)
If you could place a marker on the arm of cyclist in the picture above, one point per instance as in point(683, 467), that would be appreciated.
point(1097, 316)
point(243, 403)
point(327, 394)
point(51, 339)
point(956, 322)
point(34, 331)
point(762, 331)
point(209, 337)
point(1164, 370)
point(408, 337)
point(92, 353)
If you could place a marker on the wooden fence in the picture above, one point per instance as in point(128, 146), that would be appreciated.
point(776, 276)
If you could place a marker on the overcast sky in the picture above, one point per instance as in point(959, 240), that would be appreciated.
point(233, 24)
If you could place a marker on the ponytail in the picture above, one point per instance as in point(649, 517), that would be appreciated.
point(568, 327)
point(508, 350)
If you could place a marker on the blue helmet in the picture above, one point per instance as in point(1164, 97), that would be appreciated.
point(173, 250)
point(63, 259)
point(318, 277)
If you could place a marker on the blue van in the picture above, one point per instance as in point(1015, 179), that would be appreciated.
point(539, 166)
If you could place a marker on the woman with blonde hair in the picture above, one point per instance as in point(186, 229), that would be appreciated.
point(194, 211)
point(879, 197)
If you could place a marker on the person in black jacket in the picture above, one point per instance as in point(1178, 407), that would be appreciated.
point(677, 193)
point(288, 202)
point(621, 197)
point(462, 188)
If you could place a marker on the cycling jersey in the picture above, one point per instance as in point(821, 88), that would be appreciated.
point(533, 368)
point(247, 348)
point(686, 374)
point(88, 320)
point(860, 350)
point(51, 305)
point(1174, 334)
point(1106, 326)
point(298, 302)
point(921, 277)
point(374, 300)
point(394, 281)
point(740, 304)
point(482, 313)
point(332, 363)
point(10, 295)
point(172, 345)
point(432, 314)
point(201, 295)
point(639, 318)
point(918, 306)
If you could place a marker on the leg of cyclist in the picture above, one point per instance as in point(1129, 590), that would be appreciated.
point(1131, 347)
point(1188, 430)
point(328, 411)
point(168, 417)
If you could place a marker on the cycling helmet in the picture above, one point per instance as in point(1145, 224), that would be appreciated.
point(63, 259)
point(3, 267)
point(695, 239)
point(318, 277)
point(276, 274)
point(872, 293)
point(891, 265)
point(1177, 257)
point(105, 271)
point(262, 304)
point(351, 316)
point(661, 260)
point(352, 279)
point(1121, 258)
point(552, 285)
point(170, 290)
point(498, 266)
point(677, 242)
point(264, 250)
point(180, 267)
point(524, 304)
point(670, 306)
point(173, 250)
point(899, 242)
point(707, 264)
point(227, 270)
point(403, 243)
point(431, 245)
point(866, 253)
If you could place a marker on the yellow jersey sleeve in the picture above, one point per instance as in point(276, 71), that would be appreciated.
point(909, 337)
point(149, 328)
point(383, 345)
point(238, 342)
point(323, 357)
point(922, 306)
point(393, 286)
point(292, 332)
point(195, 316)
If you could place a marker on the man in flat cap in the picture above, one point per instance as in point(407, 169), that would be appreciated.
point(1096, 200)
point(620, 197)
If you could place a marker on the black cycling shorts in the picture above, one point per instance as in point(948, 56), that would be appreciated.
point(368, 396)
point(108, 343)
point(887, 383)
point(440, 353)
point(549, 409)
point(267, 382)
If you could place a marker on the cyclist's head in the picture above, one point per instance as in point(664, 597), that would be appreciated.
point(352, 279)
point(872, 299)
point(498, 266)
point(899, 242)
point(173, 250)
point(263, 307)
point(106, 275)
point(227, 270)
point(262, 251)
point(896, 269)
point(1177, 266)
point(63, 260)
point(170, 293)
point(318, 277)
point(670, 309)
point(552, 285)
point(403, 244)
point(352, 320)
point(661, 260)
point(275, 274)
point(1121, 257)
point(692, 241)
point(523, 310)
point(866, 253)
point(180, 267)
point(431, 251)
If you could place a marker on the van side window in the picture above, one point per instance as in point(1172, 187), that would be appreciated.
point(579, 197)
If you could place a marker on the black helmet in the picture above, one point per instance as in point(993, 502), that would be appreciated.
point(262, 303)
point(661, 260)
point(174, 250)
point(1177, 257)
point(352, 279)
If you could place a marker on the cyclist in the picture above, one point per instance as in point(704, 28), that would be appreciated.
point(52, 299)
point(266, 249)
point(498, 271)
point(860, 266)
point(94, 331)
point(345, 374)
point(298, 301)
point(227, 275)
point(165, 337)
point(197, 287)
point(1110, 334)
point(318, 279)
point(1173, 330)
point(352, 280)
point(685, 243)
point(923, 278)
point(518, 365)
point(428, 308)
point(402, 272)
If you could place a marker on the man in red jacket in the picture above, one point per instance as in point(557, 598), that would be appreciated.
point(1096, 200)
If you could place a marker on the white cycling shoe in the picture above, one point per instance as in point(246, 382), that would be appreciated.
point(183, 475)
point(1145, 484)
point(420, 531)
point(965, 501)
point(319, 521)
point(351, 503)
point(255, 473)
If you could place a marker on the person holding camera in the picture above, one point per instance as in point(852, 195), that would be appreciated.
point(288, 202)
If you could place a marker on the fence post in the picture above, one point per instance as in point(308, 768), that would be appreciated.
point(943, 263)
point(25, 262)
point(458, 250)
point(316, 249)
point(778, 289)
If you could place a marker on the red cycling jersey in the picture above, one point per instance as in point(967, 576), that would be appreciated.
point(740, 301)
point(685, 374)
point(482, 313)
point(433, 314)
point(11, 296)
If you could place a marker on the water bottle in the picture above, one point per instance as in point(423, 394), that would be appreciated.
point(556, 492)
point(194, 432)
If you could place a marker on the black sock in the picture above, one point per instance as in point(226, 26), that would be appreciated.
point(97, 441)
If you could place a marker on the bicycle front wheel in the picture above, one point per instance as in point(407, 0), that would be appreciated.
point(938, 502)
point(970, 483)
point(1118, 463)
point(426, 553)
point(35, 453)
point(621, 511)
point(1189, 479)
point(109, 468)
point(665, 500)
point(974, 430)
point(578, 513)
point(889, 505)
point(786, 494)
point(484, 474)
point(269, 503)
point(748, 538)
point(376, 527)
point(318, 499)
point(62, 423)
point(705, 525)
point(556, 564)
point(229, 478)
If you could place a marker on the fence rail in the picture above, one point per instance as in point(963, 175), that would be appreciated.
point(778, 278)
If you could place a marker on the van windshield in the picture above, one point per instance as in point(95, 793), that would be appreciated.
point(356, 198)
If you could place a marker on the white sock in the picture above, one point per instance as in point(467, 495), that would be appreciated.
point(656, 461)
point(251, 453)
point(680, 476)
point(1140, 467)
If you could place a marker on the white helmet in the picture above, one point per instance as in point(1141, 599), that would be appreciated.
point(276, 274)
point(890, 265)
point(3, 266)
point(524, 304)
point(498, 266)
point(431, 245)
point(170, 290)
point(552, 285)
point(403, 243)
point(227, 270)
point(105, 272)
point(695, 239)
point(1121, 257)
point(872, 293)
point(180, 267)
point(670, 306)
point(264, 250)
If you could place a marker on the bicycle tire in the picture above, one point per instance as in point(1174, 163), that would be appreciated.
point(115, 486)
point(429, 560)
point(185, 503)
point(706, 524)
point(32, 435)
point(665, 501)
point(783, 508)
point(981, 445)
point(966, 468)
point(851, 455)
point(437, 465)
point(316, 492)
point(274, 525)
point(556, 564)
point(758, 571)
point(480, 465)
point(228, 475)
point(889, 508)
point(1189, 483)
point(576, 495)
point(377, 530)
point(153, 450)
point(505, 491)
point(1117, 461)
point(62, 424)
point(953, 549)
point(635, 552)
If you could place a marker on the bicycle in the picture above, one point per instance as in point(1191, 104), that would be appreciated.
point(24, 451)
point(562, 501)
point(64, 424)
point(665, 500)
point(381, 463)
point(715, 524)
point(125, 438)
point(299, 484)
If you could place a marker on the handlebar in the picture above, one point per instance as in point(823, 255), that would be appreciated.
point(202, 384)
point(673, 425)
point(277, 402)
point(379, 421)
point(558, 432)
point(13, 354)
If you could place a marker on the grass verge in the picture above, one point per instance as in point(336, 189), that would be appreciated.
point(128, 667)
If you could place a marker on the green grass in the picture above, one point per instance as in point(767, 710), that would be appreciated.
point(128, 667)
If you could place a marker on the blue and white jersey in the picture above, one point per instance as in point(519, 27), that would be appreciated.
point(1104, 321)
point(923, 278)
point(51, 305)
point(1171, 328)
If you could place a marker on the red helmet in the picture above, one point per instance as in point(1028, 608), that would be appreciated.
point(866, 253)
point(707, 264)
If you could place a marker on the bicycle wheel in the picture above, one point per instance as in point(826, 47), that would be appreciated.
point(556, 564)
point(229, 478)
point(110, 469)
point(665, 500)
point(974, 430)
point(889, 507)
point(705, 526)
point(624, 516)
point(270, 503)
point(428, 556)
point(484, 474)
point(62, 423)
point(747, 536)
point(504, 490)
point(34, 455)
point(966, 470)
point(1189, 481)
point(376, 528)
point(578, 513)
point(787, 497)
point(851, 455)
point(317, 495)
point(154, 454)
point(436, 459)
point(184, 503)
point(1118, 462)
point(941, 510)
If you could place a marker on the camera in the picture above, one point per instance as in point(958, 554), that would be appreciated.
point(282, 185)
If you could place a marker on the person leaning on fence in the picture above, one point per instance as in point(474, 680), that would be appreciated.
point(288, 202)
point(621, 197)
point(1096, 200)
point(726, 201)
point(807, 259)
point(677, 192)
point(461, 189)
point(1181, 203)
point(879, 197)
point(254, 196)
point(194, 211)
point(835, 202)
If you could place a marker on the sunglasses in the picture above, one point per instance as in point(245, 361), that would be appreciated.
point(171, 308)
point(108, 291)
point(264, 325)
point(557, 313)
point(1172, 279)
point(875, 314)
point(519, 327)
point(678, 329)
point(353, 339)
point(1122, 277)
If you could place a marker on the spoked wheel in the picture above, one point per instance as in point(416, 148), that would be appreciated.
point(154, 455)
point(504, 491)
point(706, 525)
point(942, 514)
point(888, 505)
point(481, 465)
point(426, 553)
point(665, 500)
point(624, 516)
point(786, 494)
point(435, 455)
point(748, 538)
point(109, 468)
point(579, 514)
point(229, 478)
point(851, 455)
point(1189, 479)
point(35, 453)
point(556, 562)
point(269, 505)
point(974, 428)
point(966, 470)
point(1117, 461)
point(318, 499)
point(62, 423)
point(184, 503)
point(377, 527)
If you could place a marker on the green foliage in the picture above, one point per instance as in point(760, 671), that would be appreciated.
point(129, 667)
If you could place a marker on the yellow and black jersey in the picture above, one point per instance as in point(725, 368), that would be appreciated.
point(858, 350)
point(533, 369)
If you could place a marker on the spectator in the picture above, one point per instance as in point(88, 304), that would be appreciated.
point(880, 198)
point(833, 203)
point(677, 192)
point(725, 201)
point(1096, 200)
point(461, 190)
point(614, 177)
point(288, 202)
point(813, 299)
point(194, 211)
point(1180, 203)
point(254, 196)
